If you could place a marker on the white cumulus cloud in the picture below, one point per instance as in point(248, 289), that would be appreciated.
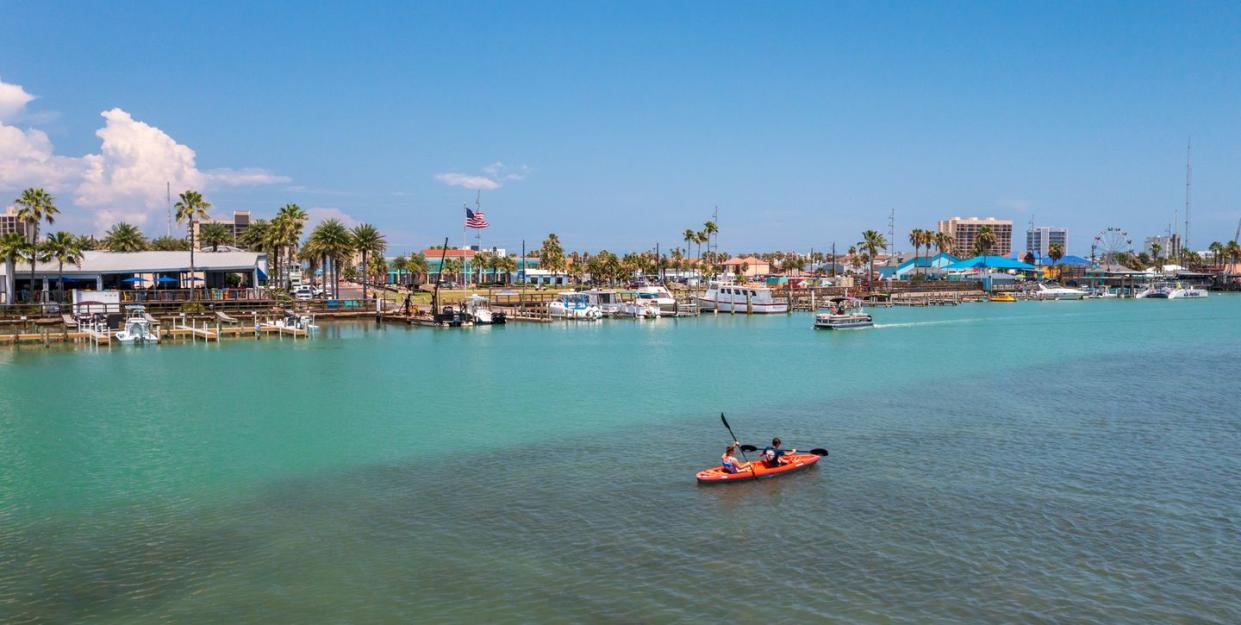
point(13, 98)
point(496, 174)
point(124, 181)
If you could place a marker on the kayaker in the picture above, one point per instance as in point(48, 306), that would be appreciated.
point(729, 460)
point(773, 455)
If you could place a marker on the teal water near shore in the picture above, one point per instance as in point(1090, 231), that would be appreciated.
point(1031, 462)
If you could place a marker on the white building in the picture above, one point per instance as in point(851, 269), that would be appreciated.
point(1039, 240)
point(153, 270)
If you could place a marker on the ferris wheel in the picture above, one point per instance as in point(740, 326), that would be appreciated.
point(1109, 244)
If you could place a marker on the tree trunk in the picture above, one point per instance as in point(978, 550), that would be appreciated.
point(34, 252)
point(365, 269)
point(192, 272)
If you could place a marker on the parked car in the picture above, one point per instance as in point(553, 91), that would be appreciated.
point(303, 293)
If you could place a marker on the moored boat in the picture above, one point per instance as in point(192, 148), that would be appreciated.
point(730, 297)
point(1002, 297)
point(571, 305)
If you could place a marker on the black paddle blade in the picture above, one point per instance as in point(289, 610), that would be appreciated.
point(819, 451)
point(725, 422)
point(749, 448)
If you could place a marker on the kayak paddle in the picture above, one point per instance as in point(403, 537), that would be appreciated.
point(730, 431)
point(818, 451)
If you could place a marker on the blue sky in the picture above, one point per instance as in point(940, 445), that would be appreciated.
point(620, 124)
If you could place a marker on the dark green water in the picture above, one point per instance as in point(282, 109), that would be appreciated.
point(1061, 462)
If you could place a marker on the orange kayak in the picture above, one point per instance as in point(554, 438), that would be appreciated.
point(758, 470)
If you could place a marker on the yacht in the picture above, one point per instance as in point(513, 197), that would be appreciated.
point(641, 308)
point(609, 302)
point(138, 327)
point(571, 305)
point(482, 314)
point(843, 314)
point(661, 297)
point(729, 297)
point(1186, 292)
point(1057, 292)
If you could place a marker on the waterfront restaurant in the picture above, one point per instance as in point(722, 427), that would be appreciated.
point(136, 271)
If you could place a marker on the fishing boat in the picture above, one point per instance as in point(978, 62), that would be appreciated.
point(729, 297)
point(1057, 292)
point(1002, 297)
point(138, 327)
point(572, 305)
point(480, 312)
point(843, 314)
point(1186, 292)
point(640, 309)
point(1154, 291)
point(296, 321)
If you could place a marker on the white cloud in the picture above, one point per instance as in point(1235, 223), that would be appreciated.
point(124, 181)
point(454, 179)
point(13, 98)
point(319, 214)
point(497, 174)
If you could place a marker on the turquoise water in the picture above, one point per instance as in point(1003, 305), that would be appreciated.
point(1031, 462)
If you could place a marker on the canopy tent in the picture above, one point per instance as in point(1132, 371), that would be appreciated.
point(134, 280)
point(167, 280)
point(990, 262)
point(1071, 261)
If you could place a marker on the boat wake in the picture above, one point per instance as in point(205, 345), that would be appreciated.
point(918, 324)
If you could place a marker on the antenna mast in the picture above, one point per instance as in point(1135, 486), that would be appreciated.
point(1188, 179)
point(891, 231)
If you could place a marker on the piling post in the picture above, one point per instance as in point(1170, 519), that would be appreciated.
point(749, 303)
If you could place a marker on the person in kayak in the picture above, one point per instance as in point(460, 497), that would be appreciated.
point(773, 456)
point(729, 459)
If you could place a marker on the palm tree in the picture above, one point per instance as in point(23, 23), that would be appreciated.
point(915, 239)
point(214, 234)
point(368, 240)
point(62, 247)
point(1233, 251)
point(713, 230)
point(1055, 253)
point(551, 254)
point(191, 207)
point(984, 241)
point(400, 264)
point(288, 225)
point(33, 207)
point(451, 266)
point(124, 237)
point(1155, 250)
point(1217, 252)
point(334, 241)
point(872, 241)
point(12, 246)
point(418, 267)
point(506, 265)
point(170, 244)
point(944, 242)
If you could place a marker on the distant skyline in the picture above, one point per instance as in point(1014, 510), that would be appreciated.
point(618, 125)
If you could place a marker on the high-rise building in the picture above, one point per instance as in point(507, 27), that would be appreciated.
point(237, 225)
point(965, 231)
point(1039, 240)
point(1169, 245)
point(10, 223)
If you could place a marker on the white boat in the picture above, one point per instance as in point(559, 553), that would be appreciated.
point(482, 314)
point(609, 302)
point(1101, 293)
point(138, 327)
point(1057, 292)
point(1186, 292)
point(843, 314)
point(1154, 292)
point(295, 321)
point(640, 309)
point(661, 297)
point(571, 305)
point(729, 297)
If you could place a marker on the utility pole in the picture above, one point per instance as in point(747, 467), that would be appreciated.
point(891, 232)
point(833, 259)
point(168, 190)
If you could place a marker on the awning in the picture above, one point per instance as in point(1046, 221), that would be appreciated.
point(990, 262)
point(262, 275)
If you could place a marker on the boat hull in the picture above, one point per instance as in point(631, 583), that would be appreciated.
point(763, 308)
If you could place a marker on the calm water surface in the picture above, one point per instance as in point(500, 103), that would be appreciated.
point(1060, 462)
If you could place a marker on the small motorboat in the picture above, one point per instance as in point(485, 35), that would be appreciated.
point(758, 470)
point(138, 327)
point(482, 314)
point(1002, 297)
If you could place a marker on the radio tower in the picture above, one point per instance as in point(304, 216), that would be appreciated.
point(1188, 178)
point(891, 232)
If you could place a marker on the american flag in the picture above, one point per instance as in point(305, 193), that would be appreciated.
point(476, 220)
